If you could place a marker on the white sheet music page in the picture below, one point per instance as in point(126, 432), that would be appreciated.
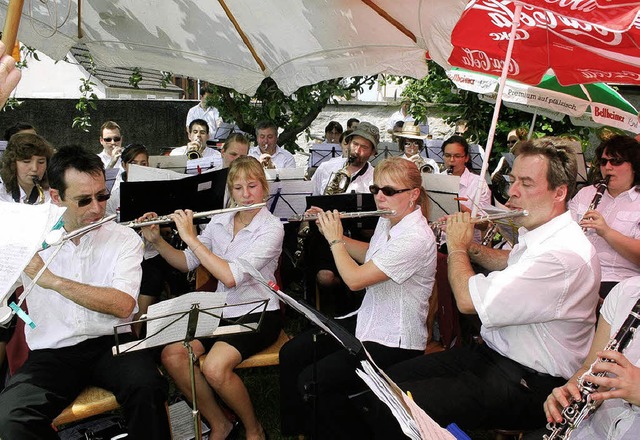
point(139, 173)
point(23, 228)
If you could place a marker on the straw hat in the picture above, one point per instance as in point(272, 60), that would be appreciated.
point(410, 131)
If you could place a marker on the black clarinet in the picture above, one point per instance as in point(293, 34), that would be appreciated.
point(577, 412)
point(601, 187)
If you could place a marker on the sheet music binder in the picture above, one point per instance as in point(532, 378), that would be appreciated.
point(202, 192)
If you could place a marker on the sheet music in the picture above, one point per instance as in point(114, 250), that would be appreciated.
point(204, 164)
point(414, 422)
point(288, 197)
point(23, 228)
point(442, 190)
point(181, 418)
point(285, 174)
point(139, 173)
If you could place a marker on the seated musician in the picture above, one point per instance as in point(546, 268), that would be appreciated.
point(197, 146)
point(268, 149)
point(411, 143)
point(337, 176)
point(613, 227)
point(19, 127)
point(235, 146)
point(90, 286)
point(254, 236)
point(536, 308)
point(397, 268)
point(618, 414)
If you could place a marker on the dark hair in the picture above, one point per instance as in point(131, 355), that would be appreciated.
point(23, 146)
point(201, 122)
point(623, 147)
point(130, 152)
point(351, 121)
point(345, 134)
point(76, 157)
point(562, 166)
point(264, 125)
point(333, 125)
point(235, 137)
point(457, 139)
point(205, 90)
point(110, 125)
point(17, 128)
point(402, 141)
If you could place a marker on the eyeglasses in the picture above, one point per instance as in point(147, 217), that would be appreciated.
point(387, 190)
point(114, 139)
point(511, 142)
point(614, 161)
point(86, 201)
point(415, 143)
point(454, 156)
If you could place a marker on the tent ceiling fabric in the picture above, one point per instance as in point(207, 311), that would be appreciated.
point(299, 42)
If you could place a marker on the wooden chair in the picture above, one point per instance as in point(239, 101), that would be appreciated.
point(91, 401)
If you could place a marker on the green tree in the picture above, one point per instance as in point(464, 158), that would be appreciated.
point(293, 114)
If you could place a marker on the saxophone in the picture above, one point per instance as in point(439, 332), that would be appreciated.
point(422, 165)
point(577, 412)
point(38, 187)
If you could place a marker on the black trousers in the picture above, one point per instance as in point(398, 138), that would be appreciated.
point(335, 381)
point(52, 378)
point(472, 386)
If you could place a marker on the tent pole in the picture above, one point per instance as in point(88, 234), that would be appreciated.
point(533, 123)
point(11, 24)
point(496, 109)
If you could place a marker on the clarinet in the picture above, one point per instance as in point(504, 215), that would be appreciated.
point(577, 412)
point(601, 187)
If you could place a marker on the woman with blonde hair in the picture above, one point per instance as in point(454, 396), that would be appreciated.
point(397, 269)
point(228, 242)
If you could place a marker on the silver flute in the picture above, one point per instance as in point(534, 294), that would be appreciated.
point(166, 219)
point(355, 214)
point(490, 218)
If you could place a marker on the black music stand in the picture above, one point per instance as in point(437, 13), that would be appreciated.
point(183, 323)
point(442, 191)
point(322, 152)
point(202, 192)
point(433, 150)
point(288, 197)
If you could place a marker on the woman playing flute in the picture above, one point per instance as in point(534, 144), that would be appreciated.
point(254, 236)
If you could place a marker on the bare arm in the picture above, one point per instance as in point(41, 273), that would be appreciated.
point(99, 299)
point(173, 256)
point(627, 247)
point(459, 239)
point(489, 258)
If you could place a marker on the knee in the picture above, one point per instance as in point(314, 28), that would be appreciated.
point(217, 375)
point(326, 278)
point(174, 357)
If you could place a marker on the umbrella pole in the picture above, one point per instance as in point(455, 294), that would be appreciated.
point(533, 123)
point(496, 109)
point(11, 24)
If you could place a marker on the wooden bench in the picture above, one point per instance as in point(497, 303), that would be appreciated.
point(268, 357)
point(90, 402)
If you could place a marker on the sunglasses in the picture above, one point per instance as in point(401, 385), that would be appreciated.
point(86, 201)
point(387, 190)
point(614, 161)
point(114, 139)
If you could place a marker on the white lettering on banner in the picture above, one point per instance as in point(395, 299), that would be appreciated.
point(603, 76)
point(502, 18)
point(478, 59)
point(521, 34)
point(575, 5)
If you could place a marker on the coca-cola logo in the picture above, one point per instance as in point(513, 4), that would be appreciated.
point(594, 75)
point(574, 5)
point(480, 60)
point(501, 16)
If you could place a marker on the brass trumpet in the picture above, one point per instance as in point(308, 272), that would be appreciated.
point(356, 214)
point(166, 219)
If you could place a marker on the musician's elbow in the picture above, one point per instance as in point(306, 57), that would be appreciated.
point(466, 307)
point(126, 308)
point(355, 285)
point(228, 282)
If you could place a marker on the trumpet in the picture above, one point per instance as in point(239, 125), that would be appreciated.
point(194, 152)
point(166, 219)
point(356, 214)
point(489, 218)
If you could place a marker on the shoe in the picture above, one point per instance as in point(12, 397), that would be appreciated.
point(235, 431)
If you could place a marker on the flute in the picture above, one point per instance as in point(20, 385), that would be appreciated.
point(490, 217)
point(356, 214)
point(165, 219)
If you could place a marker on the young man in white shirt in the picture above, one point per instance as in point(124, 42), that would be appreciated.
point(91, 285)
point(209, 114)
point(111, 141)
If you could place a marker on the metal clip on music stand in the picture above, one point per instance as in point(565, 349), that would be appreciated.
point(183, 324)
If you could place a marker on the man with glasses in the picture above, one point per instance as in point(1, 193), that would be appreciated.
point(613, 226)
point(91, 285)
point(536, 308)
point(111, 141)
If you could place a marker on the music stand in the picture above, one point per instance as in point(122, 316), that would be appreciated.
point(583, 174)
point(385, 150)
point(322, 152)
point(476, 155)
point(110, 176)
point(442, 190)
point(288, 197)
point(183, 319)
point(173, 163)
point(349, 202)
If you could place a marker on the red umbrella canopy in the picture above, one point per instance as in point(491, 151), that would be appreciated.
point(577, 52)
point(616, 15)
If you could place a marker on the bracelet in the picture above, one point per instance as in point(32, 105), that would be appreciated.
point(334, 242)
point(453, 252)
point(196, 248)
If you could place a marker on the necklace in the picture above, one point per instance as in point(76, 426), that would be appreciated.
point(242, 221)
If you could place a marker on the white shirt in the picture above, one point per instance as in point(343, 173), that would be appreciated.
point(398, 116)
point(210, 114)
point(260, 244)
point(108, 256)
point(281, 158)
point(106, 159)
point(360, 181)
point(623, 215)
point(7, 197)
point(394, 312)
point(616, 419)
point(207, 152)
point(540, 310)
point(469, 183)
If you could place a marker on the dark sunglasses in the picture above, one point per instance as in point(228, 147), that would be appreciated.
point(614, 161)
point(86, 201)
point(114, 139)
point(387, 190)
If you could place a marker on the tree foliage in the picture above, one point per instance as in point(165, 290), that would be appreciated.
point(293, 114)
